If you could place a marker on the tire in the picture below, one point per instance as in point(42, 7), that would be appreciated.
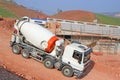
point(25, 53)
point(49, 63)
point(16, 49)
point(67, 71)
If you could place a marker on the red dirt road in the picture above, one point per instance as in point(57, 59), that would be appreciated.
point(106, 67)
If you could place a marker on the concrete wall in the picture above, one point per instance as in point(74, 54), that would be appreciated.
point(103, 45)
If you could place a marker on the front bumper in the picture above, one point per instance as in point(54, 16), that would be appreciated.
point(79, 73)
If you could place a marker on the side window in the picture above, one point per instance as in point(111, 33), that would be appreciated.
point(77, 55)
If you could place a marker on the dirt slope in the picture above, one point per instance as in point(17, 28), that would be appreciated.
point(21, 11)
point(75, 15)
point(106, 67)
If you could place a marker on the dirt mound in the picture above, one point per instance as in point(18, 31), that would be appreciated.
point(7, 24)
point(21, 11)
point(75, 15)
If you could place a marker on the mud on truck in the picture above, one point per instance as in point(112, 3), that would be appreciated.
point(32, 40)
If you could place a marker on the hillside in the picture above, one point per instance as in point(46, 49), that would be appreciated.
point(10, 9)
point(86, 16)
point(19, 10)
point(107, 19)
point(77, 15)
point(6, 13)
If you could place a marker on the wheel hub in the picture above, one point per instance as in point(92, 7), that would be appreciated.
point(48, 63)
point(66, 71)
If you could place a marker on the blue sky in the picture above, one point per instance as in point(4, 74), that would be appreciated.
point(51, 6)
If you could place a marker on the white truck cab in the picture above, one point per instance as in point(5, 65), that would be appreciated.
point(76, 56)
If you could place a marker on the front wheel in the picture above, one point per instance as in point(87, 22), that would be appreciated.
point(67, 71)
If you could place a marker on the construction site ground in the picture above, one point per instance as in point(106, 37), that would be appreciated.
point(102, 67)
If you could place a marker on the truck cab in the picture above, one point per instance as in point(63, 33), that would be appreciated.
point(76, 57)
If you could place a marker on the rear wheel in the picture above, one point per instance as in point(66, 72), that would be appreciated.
point(49, 63)
point(25, 53)
point(16, 49)
point(67, 71)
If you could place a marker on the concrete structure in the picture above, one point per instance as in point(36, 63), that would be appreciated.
point(106, 36)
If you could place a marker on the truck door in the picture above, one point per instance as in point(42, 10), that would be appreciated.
point(76, 60)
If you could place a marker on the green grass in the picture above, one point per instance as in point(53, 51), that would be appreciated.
point(6, 13)
point(8, 1)
point(103, 19)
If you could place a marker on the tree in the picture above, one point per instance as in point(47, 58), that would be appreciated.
point(59, 10)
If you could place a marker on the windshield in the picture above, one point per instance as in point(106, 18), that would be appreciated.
point(87, 55)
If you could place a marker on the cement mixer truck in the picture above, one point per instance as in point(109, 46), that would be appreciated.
point(34, 41)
